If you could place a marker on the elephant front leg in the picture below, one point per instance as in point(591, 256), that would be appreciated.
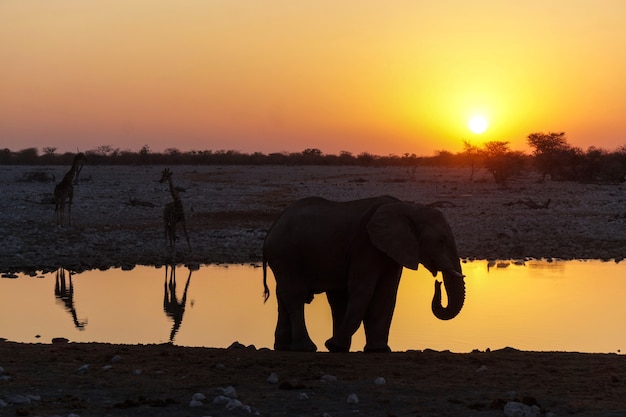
point(338, 300)
point(357, 301)
point(379, 313)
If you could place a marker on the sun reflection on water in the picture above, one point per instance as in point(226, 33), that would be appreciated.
point(540, 305)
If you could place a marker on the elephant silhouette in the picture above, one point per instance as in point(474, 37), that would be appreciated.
point(172, 306)
point(64, 292)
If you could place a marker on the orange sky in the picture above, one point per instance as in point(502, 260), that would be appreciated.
point(385, 77)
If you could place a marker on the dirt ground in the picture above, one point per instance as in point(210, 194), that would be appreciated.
point(116, 222)
point(163, 380)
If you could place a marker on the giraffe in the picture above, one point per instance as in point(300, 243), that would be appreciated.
point(65, 191)
point(173, 213)
point(174, 308)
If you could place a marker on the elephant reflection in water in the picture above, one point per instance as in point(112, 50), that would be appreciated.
point(64, 292)
point(173, 307)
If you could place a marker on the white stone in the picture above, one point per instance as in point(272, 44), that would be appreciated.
point(515, 409)
point(303, 396)
point(83, 369)
point(195, 403)
point(273, 378)
point(380, 381)
point(233, 404)
point(18, 399)
point(353, 399)
point(220, 400)
point(228, 391)
point(198, 396)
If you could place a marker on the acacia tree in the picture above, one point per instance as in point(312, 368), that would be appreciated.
point(549, 150)
point(501, 161)
point(472, 155)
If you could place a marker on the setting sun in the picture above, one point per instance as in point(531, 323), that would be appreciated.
point(478, 124)
point(376, 77)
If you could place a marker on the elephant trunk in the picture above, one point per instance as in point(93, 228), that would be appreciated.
point(455, 289)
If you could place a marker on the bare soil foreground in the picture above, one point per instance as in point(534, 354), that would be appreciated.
point(117, 222)
point(164, 380)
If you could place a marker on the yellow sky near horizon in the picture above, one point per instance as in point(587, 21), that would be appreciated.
point(385, 77)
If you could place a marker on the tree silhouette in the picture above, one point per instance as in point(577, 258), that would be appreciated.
point(550, 150)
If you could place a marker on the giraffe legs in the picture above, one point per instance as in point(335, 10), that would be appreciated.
point(69, 212)
point(186, 235)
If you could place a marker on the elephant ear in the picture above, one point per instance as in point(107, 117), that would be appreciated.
point(392, 232)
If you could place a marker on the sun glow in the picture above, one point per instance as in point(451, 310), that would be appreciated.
point(478, 124)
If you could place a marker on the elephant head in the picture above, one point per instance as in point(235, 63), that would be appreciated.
point(412, 234)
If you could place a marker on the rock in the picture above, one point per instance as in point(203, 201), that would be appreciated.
point(273, 378)
point(515, 409)
point(481, 369)
point(233, 404)
point(83, 369)
point(353, 399)
point(196, 403)
point(380, 381)
point(18, 399)
point(236, 345)
point(116, 359)
point(221, 400)
point(328, 378)
point(303, 396)
point(228, 391)
point(198, 396)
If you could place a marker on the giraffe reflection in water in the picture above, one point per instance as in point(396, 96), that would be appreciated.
point(64, 292)
point(173, 307)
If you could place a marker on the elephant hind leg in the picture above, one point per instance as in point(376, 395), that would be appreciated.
point(291, 333)
point(282, 335)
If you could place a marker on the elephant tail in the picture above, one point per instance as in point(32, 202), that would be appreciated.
point(266, 290)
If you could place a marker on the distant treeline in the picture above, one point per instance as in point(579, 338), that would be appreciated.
point(551, 155)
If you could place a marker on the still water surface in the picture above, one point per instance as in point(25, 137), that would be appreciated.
point(561, 305)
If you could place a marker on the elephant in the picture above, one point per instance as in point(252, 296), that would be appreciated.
point(354, 251)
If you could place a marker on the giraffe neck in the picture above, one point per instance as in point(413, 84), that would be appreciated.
point(173, 191)
point(70, 174)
